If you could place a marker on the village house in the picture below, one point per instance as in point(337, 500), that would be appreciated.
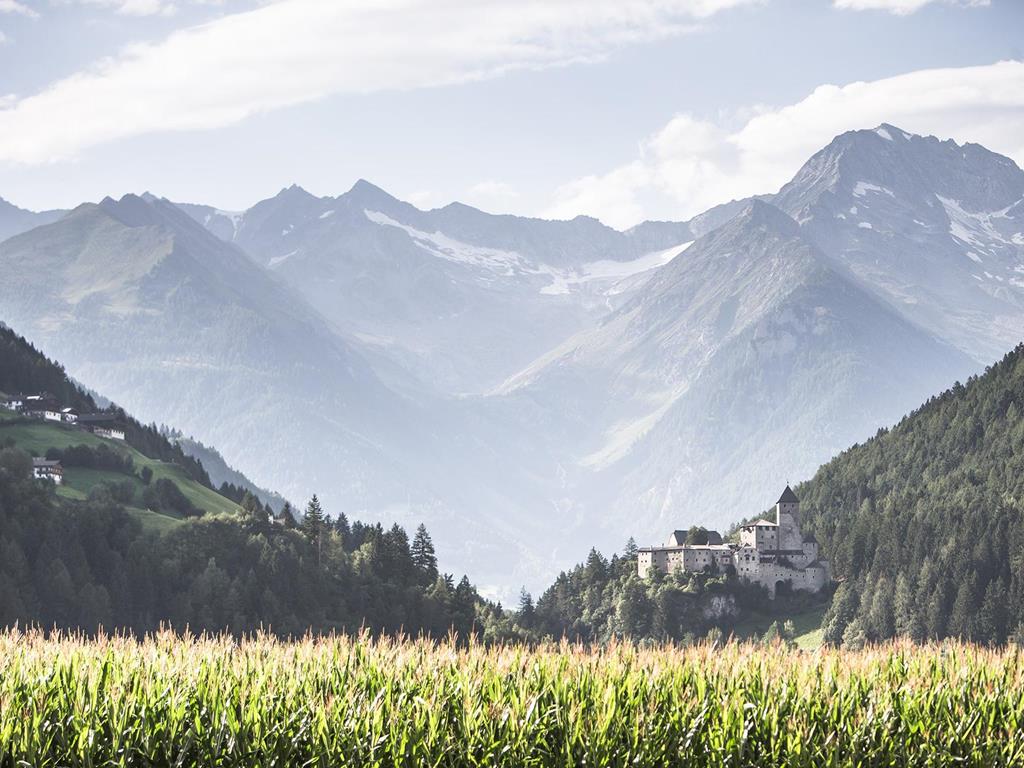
point(40, 407)
point(45, 469)
point(768, 553)
point(46, 407)
point(102, 425)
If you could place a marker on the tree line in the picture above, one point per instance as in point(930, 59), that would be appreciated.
point(89, 564)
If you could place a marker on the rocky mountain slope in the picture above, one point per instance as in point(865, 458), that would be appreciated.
point(934, 228)
point(751, 359)
point(182, 328)
point(459, 297)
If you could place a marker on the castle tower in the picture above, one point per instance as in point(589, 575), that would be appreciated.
point(787, 516)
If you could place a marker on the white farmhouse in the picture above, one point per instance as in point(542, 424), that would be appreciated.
point(768, 553)
point(44, 469)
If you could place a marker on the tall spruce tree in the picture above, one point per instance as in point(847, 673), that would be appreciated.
point(314, 524)
point(288, 517)
point(423, 556)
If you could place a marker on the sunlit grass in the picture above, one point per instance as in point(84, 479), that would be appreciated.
point(69, 701)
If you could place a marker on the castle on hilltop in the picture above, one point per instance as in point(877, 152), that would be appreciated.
point(768, 553)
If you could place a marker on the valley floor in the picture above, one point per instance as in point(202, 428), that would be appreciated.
point(168, 700)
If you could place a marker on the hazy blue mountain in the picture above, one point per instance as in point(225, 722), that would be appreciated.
point(459, 297)
point(935, 228)
point(182, 328)
point(751, 359)
point(15, 220)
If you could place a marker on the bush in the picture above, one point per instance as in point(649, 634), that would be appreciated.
point(100, 457)
point(165, 495)
point(16, 463)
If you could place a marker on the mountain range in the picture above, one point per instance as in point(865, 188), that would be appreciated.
point(533, 388)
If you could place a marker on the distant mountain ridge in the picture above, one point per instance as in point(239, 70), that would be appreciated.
point(459, 297)
point(746, 360)
point(184, 329)
point(15, 220)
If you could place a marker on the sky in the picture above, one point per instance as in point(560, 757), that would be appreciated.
point(620, 109)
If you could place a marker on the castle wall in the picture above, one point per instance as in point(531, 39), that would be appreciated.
point(766, 555)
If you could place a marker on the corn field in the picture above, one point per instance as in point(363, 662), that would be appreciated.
point(169, 700)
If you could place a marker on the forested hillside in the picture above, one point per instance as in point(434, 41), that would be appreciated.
point(923, 526)
point(26, 370)
point(106, 558)
point(89, 564)
point(924, 523)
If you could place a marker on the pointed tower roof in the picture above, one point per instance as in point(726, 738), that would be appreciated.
point(788, 497)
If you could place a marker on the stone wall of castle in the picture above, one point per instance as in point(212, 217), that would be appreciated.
point(769, 553)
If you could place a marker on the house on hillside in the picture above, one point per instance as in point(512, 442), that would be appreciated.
point(42, 406)
point(12, 402)
point(768, 553)
point(45, 469)
point(103, 425)
point(69, 415)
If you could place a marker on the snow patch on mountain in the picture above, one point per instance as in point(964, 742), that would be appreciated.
point(863, 187)
point(615, 272)
point(276, 260)
point(972, 228)
point(881, 131)
point(448, 248)
point(509, 263)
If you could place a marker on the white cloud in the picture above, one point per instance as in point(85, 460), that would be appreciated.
point(903, 7)
point(3, 37)
point(13, 6)
point(294, 51)
point(137, 7)
point(690, 164)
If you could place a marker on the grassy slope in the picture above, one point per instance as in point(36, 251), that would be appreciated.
point(807, 623)
point(38, 437)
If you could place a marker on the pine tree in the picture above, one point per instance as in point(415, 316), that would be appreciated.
point(992, 617)
point(343, 529)
point(313, 525)
point(288, 517)
point(253, 510)
point(423, 556)
point(631, 548)
point(526, 612)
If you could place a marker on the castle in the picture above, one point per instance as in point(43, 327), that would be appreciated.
point(768, 553)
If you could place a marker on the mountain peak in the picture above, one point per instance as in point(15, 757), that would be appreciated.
point(362, 186)
point(890, 132)
point(761, 214)
point(132, 210)
point(368, 193)
point(294, 192)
